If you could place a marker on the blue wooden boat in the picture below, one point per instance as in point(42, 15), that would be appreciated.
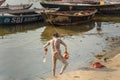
point(17, 19)
point(107, 8)
point(19, 16)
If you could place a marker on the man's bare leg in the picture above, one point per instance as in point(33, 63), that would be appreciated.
point(54, 66)
point(63, 67)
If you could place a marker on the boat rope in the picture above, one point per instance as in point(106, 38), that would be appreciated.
point(56, 29)
point(51, 22)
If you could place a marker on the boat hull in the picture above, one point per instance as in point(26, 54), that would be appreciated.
point(67, 17)
point(66, 20)
point(20, 19)
point(105, 9)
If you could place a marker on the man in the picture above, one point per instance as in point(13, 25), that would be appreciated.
point(56, 52)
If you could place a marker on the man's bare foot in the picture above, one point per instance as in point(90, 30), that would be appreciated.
point(60, 73)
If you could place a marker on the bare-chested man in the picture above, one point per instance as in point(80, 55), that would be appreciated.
point(56, 52)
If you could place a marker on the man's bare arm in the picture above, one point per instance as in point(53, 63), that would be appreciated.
point(47, 44)
point(64, 45)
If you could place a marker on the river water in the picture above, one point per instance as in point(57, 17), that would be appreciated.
point(21, 46)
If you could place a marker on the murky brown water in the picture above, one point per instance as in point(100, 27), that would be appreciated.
point(21, 47)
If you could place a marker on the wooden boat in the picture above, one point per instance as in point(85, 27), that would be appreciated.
point(107, 8)
point(8, 18)
point(68, 17)
point(22, 16)
point(2, 1)
point(15, 7)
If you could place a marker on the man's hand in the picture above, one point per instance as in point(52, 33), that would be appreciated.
point(45, 49)
point(66, 55)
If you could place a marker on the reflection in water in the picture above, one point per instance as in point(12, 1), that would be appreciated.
point(21, 54)
point(107, 18)
point(24, 60)
point(66, 30)
point(98, 28)
point(12, 29)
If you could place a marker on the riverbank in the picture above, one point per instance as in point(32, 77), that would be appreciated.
point(111, 71)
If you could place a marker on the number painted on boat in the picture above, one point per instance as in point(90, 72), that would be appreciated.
point(17, 20)
point(30, 19)
point(6, 20)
